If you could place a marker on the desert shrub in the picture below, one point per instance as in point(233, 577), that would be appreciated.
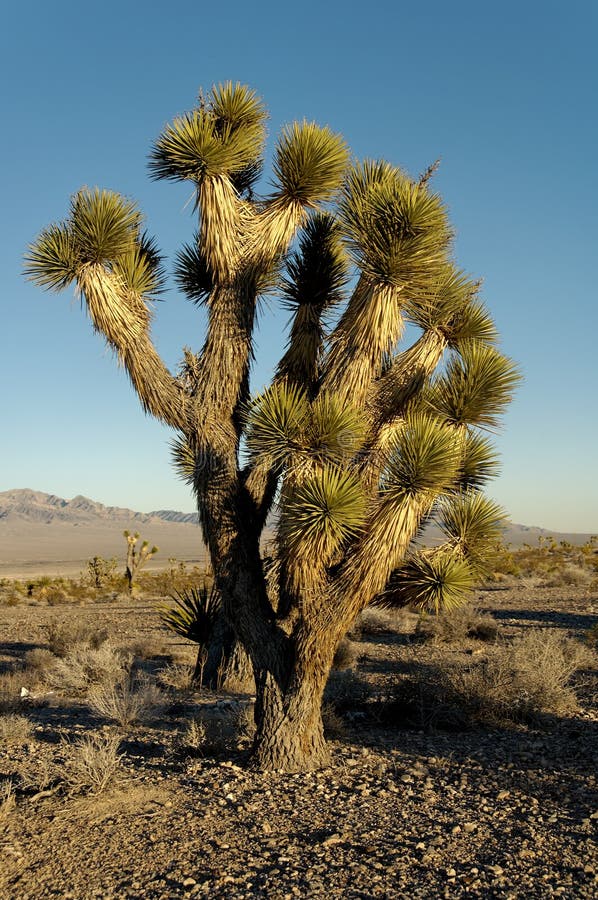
point(376, 621)
point(39, 660)
point(566, 577)
point(15, 729)
point(149, 648)
point(194, 738)
point(177, 578)
point(457, 625)
point(63, 636)
point(54, 595)
point(11, 686)
point(92, 763)
point(83, 666)
point(11, 598)
point(520, 682)
point(176, 676)
point(346, 655)
point(125, 701)
point(101, 572)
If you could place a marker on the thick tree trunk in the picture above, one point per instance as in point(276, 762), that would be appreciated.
point(290, 732)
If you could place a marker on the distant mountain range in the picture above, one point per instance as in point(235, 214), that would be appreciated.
point(38, 528)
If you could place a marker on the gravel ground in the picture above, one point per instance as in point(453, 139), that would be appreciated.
point(508, 812)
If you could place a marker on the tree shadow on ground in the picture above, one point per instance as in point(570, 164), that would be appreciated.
point(547, 618)
point(16, 651)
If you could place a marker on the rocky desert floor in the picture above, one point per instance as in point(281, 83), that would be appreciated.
point(422, 800)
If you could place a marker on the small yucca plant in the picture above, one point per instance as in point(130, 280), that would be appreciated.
point(193, 616)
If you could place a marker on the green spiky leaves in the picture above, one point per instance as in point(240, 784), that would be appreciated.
point(476, 387)
point(322, 512)
point(423, 458)
point(103, 224)
point(223, 137)
point(183, 459)
point(53, 261)
point(102, 228)
point(479, 463)
point(283, 426)
point(473, 525)
point(398, 230)
point(431, 580)
point(335, 431)
point(317, 270)
point(309, 163)
point(275, 423)
point(192, 272)
point(449, 305)
point(193, 614)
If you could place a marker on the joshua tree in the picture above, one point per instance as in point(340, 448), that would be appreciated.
point(135, 560)
point(359, 441)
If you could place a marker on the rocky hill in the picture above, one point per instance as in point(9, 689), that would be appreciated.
point(39, 529)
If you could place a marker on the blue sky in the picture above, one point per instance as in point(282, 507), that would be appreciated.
point(503, 93)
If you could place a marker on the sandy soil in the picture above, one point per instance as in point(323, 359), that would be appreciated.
point(404, 811)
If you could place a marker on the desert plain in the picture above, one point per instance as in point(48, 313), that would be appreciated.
point(464, 748)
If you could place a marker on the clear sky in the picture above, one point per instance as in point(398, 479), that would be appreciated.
point(504, 93)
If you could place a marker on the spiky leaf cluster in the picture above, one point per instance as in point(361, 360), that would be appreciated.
point(283, 423)
point(423, 458)
point(449, 304)
point(317, 271)
point(192, 272)
point(476, 386)
point(223, 137)
point(102, 228)
point(397, 229)
point(275, 423)
point(321, 512)
point(193, 614)
point(473, 525)
point(479, 462)
point(430, 580)
point(309, 162)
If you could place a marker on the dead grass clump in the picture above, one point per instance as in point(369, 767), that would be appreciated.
point(215, 732)
point(54, 595)
point(83, 666)
point(15, 729)
point(62, 637)
point(11, 685)
point(346, 655)
point(92, 764)
point(335, 727)
point(125, 701)
point(457, 626)
point(591, 637)
point(11, 598)
point(7, 798)
point(531, 677)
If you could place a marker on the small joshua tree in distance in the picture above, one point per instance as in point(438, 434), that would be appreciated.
point(136, 560)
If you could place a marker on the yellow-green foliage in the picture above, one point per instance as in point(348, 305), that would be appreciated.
point(557, 563)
